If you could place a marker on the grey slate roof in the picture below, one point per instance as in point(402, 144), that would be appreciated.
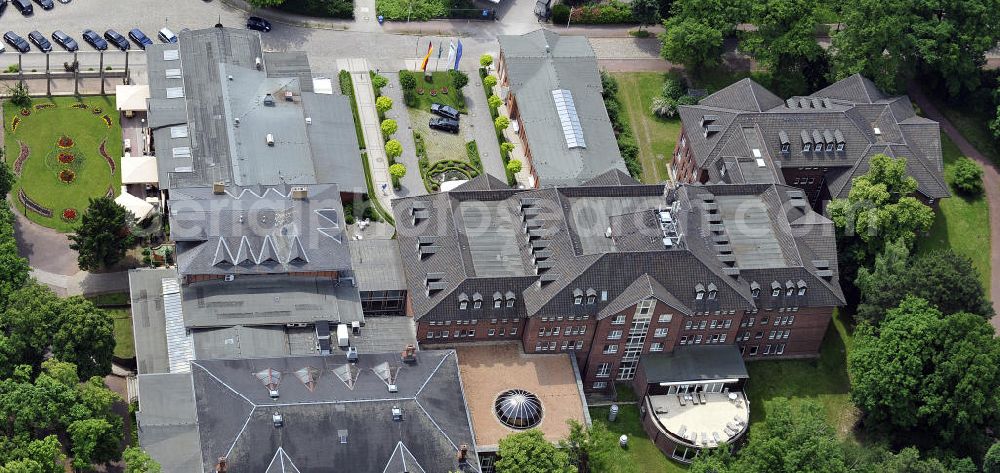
point(538, 63)
point(168, 421)
point(726, 235)
point(694, 363)
point(148, 319)
point(221, 84)
point(749, 117)
point(234, 413)
point(258, 230)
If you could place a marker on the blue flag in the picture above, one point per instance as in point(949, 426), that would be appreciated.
point(458, 55)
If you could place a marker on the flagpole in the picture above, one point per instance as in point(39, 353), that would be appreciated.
point(437, 63)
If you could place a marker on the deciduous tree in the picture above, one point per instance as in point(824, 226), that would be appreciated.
point(494, 101)
point(7, 178)
point(589, 449)
point(691, 43)
point(967, 177)
point(389, 127)
point(397, 170)
point(13, 268)
point(383, 104)
point(95, 441)
point(459, 79)
point(104, 234)
point(85, 337)
point(501, 123)
point(138, 461)
point(485, 60)
point(393, 149)
point(529, 452)
point(646, 12)
point(514, 166)
point(924, 377)
point(784, 42)
point(265, 3)
point(991, 463)
point(490, 81)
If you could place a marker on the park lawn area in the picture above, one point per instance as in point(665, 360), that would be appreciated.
point(93, 174)
point(961, 223)
point(642, 455)
point(124, 343)
point(656, 137)
point(439, 80)
point(824, 379)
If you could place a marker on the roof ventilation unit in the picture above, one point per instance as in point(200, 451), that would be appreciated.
point(393, 388)
point(300, 192)
point(258, 63)
point(218, 188)
point(289, 96)
point(397, 414)
point(409, 354)
point(270, 139)
point(269, 100)
point(309, 121)
point(277, 420)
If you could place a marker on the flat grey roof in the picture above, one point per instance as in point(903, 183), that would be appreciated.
point(377, 265)
point(591, 217)
point(168, 422)
point(148, 319)
point(694, 363)
point(385, 335)
point(269, 300)
point(751, 232)
point(488, 225)
point(240, 342)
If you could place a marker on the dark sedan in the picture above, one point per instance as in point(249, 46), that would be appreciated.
point(39, 40)
point(24, 6)
point(16, 42)
point(258, 23)
point(45, 4)
point(444, 111)
point(64, 40)
point(140, 38)
point(116, 39)
point(95, 40)
point(444, 124)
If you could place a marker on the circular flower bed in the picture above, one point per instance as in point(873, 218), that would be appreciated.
point(434, 92)
point(98, 111)
point(444, 90)
point(66, 158)
point(67, 176)
point(65, 142)
point(25, 111)
point(69, 215)
point(420, 91)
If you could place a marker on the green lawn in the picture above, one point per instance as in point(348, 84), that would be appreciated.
point(642, 455)
point(124, 343)
point(824, 379)
point(962, 223)
point(41, 132)
point(656, 137)
point(439, 80)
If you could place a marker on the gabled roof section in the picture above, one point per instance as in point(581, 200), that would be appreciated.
point(403, 461)
point(281, 463)
point(745, 95)
point(614, 177)
point(855, 88)
point(482, 182)
point(643, 288)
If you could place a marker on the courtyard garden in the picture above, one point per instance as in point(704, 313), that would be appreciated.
point(64, 150)
point(655, 136)
point(442, 156)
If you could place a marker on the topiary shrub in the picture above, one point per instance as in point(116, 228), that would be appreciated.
point(560, 14)
point(968, 177)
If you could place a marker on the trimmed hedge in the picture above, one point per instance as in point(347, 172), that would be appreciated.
point(472, 151)
point(615, 12)
point(347, 88)
point(626, 142)
point(321, 8)
point(494, 113)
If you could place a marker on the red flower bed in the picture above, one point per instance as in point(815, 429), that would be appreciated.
point(69, 214)
point(66, 158)
point(444, 90)
point(25, 111)
point(434, 92)
point(67, 176)
point(22, 156)
point(420, 91)
point(65, 142)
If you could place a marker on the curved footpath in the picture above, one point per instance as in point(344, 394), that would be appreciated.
point(991, 183)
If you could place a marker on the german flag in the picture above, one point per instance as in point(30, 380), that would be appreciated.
point(423, 65)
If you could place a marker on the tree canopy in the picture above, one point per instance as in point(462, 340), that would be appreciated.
point(589, 449)
point(138, 461)
point(696, 29)
point(927, 378)
point(943, 278)
point(646, 12)
point(784, 43)
point(104, 234)
point(13, 268)
point(879, 206)
point(529, 452)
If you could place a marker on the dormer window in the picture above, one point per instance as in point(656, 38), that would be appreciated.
point(510, 299)
point(789, 289)
point(806, 141)
point(829, 147)
point(463, 301)
point(840, 147)
point(591, 296)
point(775, 289)
point(477, 301)
point(785, 144)
point(802, 287)
point(577, 297)
point(712, 291)
point(699, 292)
point(807, 147)
point(754, 289)
point(497, 300)
point(785, 147)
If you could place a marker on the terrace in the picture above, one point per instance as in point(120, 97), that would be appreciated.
point(702, 419)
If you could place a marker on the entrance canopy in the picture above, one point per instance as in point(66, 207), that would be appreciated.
point(695, 364)
point(131, 98)
point(139, 170)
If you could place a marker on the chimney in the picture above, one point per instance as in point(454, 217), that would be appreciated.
point(300, 192)
point(463, 453)
point(218, 188)
point(220, 467)
point(409, 354)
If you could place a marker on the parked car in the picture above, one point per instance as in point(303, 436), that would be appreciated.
point(444, 111)
point(444, 124)
point(258, 23)
point(116, 39)
point(95, 40)
point(45, 4)
point(140, 38)
point(16, 42)
point(166, 36)
point(64, 40)
point(3, 6)
point(24, 6)
point(39, 40)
